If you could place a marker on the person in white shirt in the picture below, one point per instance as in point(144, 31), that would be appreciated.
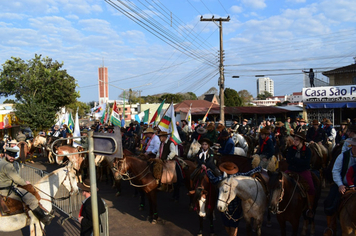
point(153, 142)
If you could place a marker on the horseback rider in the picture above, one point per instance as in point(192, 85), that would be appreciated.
point(316, 134)
point(199, 133)
point(298, 159)
point(244, 129)
point(56, 132)
point(330, 132)
point(343, 162)
point(205, 157)
point(153, 143)
point(351, 133)
point(234, 127)
point(167, 151)
point(302, 127)
point(342, 132)
point(211, 133)
point(20, 137)
point(227, 144)
point(288, 126)
point(13, 186)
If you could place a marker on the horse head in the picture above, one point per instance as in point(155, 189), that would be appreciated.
point(70, 179)
point(121, 168)
point(99, 159)
point(200, 194)
point(276, 190)
point(193, 149)
point(226, 192)
point(39, 140)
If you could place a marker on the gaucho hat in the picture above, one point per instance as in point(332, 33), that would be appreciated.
point(300, 135)
point(229, 168)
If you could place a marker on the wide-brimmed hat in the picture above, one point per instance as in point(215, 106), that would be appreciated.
point(85, 186)
point(85, 131)
point(206, 140)
point(12, 151)
point(149, 130)
point(327, 122)
point(229, 168)
point(300, 135)
point(297, 119)
point(315, 122)
point(12, 142)
point(265, 131)
point(201, 122)
point(163, 133)
point(201, 130)
point(351, 141)
point(302, 120)
point(288, 118)
point(279, 124)
point(343, 122)
point(224, 133)
point(245, 120)
point(184, 121)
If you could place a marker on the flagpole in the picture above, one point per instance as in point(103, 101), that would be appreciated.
point(206, 115)
point(190, 107)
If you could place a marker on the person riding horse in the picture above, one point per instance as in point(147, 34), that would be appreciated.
point(330, 132)
point(302, 127)
point(298, 159)
point(13, 186)
point(266, 148)
point(227, 144)
point(343, 162)
point(153, 143)
point(316, 134)
point(205, 159)
point(244, 129)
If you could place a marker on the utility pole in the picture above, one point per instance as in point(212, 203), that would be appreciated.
point(221, 64)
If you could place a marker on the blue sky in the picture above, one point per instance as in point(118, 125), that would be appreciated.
point(264, 37)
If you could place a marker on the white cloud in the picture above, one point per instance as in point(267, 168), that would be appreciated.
point(296, 1)
point(255, 4)
point(12, 16)
point(236, 9)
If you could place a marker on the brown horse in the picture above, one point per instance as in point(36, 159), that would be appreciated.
point(138, 172)
point(76, 159)
point(347, 213)
point(204, 199)
point(288, 201)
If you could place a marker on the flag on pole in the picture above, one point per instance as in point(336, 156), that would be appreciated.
point(168, 124)
point(155, 116)
point(189, 118)
point(64, 119)
point(115, 117)
point(76, 132)
point(206, 115)
point(70, 123)
point(103, 117)
point(146, 116)
point(99, 109)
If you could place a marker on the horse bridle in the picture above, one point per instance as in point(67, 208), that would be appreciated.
point(282, 195)
point(226, 202)
point(129, 178)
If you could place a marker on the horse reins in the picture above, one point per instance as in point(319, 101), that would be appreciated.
point(282, 195)
point(131, 178)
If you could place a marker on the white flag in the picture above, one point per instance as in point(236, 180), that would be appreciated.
point(76, 132)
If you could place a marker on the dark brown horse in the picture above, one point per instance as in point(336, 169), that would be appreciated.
point(347, 214)
point(138, 172)
point(204, 200)
point(289, 202)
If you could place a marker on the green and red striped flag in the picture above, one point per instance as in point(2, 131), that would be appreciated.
point(155, 116)
point(168, 124)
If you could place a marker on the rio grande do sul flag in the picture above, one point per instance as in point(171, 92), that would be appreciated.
point(168, 124)
point(155, 116)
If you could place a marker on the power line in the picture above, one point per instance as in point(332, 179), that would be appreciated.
point(223, 7)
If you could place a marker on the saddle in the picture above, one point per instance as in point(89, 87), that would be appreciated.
point(164, 170)
point(263, 178)
point(13, 206)
point(345, 198)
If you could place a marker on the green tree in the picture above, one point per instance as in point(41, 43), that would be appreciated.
point(170, 97)
point(264, 95)
point(40, 87)
point(232, 98)
point(245, 96)
point(9, 101)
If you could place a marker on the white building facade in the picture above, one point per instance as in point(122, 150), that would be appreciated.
point(265, 84)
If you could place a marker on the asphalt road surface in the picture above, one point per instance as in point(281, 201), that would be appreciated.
point(175, 218)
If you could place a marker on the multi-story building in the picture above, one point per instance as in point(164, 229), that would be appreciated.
point(265, 84)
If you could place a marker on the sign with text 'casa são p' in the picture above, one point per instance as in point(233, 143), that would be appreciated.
point(330, 94)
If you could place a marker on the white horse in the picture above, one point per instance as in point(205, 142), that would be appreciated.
point(193, 149)
point(240, 142)
point(252, 195)
point(47, 188)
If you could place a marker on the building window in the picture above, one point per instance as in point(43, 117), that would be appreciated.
point(125, 108)
point(354, 80)
point(125, 115)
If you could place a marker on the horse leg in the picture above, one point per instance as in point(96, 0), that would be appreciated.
point(152, 198)
point(269, 224)
point(211, 218)
point(248, 226)
point(201, 220)
point(305, 227)
point(312, 228)
point(295, 226)
point(282, 225)
point(142, 198)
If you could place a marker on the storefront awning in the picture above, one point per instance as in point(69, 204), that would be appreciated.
point(331, 105)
